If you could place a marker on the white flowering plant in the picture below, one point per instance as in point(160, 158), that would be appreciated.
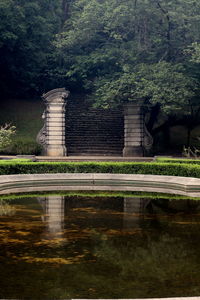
point(6, 134)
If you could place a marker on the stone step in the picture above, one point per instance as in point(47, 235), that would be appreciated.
point(101, 131)
point(86, 109)
point(94, 147)
point(91, 131)
point(94, 119)
point(108, 136)
point(94, 125)
point(98, 146)
point(72, 115)
point(85, 135)
point(90, 110)
point(88, 117)
point(94, 153)
point(89, 138)
point(95, 139)
point(94, 144)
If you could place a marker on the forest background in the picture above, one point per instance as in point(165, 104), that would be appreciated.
point(108, 51)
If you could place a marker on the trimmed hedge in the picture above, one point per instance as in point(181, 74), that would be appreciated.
point(171, 169)
point(178, 160)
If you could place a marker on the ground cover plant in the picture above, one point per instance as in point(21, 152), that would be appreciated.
point(26, 116)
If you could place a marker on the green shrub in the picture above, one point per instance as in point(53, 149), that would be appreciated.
point(178, 160)
point(23, 147)
point(171, 169)
point(6, 134)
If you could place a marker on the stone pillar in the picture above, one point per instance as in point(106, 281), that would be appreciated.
point(133, 130)
point(55, 101)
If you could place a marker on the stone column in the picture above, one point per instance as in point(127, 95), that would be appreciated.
point(133, 130)
point(55, 101)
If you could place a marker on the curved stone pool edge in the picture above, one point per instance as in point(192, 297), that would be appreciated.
point(186, 186)
point(176, 298)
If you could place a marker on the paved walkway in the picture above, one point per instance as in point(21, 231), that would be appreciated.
point(81, 158)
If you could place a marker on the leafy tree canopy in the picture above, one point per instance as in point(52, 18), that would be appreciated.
point(114, 50)
point(163, 83)
point(125, 50)
point(26, 33)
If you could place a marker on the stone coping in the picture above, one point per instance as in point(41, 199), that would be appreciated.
point(175, 298)
point(185, 186)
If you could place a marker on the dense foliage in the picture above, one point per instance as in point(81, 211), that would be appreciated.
point(122, 50)
point(26, 34)
point(114, 50)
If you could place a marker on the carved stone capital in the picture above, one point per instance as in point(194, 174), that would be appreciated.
point(56, 96)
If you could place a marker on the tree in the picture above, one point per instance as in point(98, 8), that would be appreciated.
point(101, 40)
point(26, 32)
point(163, 83)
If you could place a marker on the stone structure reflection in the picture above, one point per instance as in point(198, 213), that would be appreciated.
point(134, 210)
point(54, 213)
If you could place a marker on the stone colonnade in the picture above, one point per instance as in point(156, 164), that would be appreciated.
point(52, 135)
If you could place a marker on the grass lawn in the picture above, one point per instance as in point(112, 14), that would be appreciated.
point(26, 116)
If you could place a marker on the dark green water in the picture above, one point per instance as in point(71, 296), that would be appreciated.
point(56, 247)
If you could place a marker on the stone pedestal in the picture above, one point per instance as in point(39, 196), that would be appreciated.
point(52, 135)
point(133, 130)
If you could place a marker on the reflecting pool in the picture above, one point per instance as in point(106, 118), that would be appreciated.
point(99, 246)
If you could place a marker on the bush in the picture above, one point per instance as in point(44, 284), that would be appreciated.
point(178, 160)
point(23, 147)
point(6, 135)
point(171, 169)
